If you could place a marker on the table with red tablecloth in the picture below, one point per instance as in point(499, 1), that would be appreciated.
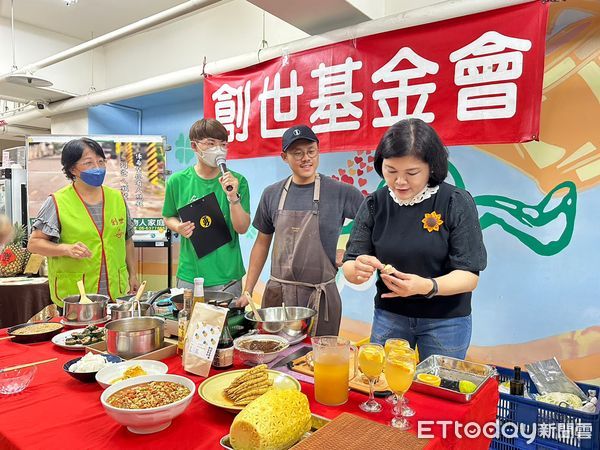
point(58, 412)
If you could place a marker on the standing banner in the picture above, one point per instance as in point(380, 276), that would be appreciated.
point(135, 165)
point(476, 79)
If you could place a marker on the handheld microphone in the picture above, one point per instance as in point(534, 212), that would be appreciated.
point(223, 168)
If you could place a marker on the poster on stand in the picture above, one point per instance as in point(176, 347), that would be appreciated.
point(135, 165)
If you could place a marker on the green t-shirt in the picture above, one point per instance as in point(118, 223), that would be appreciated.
point(224, 264)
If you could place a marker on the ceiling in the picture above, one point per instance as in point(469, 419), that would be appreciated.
point(86, 16)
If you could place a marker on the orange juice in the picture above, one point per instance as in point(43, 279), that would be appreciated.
point(399, 374)
point(370, 361)
point(331, 380)
point(395, 343)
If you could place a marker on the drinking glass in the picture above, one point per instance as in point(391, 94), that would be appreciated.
point(407, 411)
point(371, 358)
point(400, 367)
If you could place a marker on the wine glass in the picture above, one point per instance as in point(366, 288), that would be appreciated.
point(371, 358)
point(400, 367)
point(407, 411)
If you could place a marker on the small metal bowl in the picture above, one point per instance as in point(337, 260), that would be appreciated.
point(255, 357)
point(299, 321)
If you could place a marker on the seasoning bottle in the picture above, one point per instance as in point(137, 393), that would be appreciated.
point(517, 385)
point(224, 354)
point(183, 319)
point(198, 292)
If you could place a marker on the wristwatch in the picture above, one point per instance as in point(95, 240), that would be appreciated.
point(434, 290)
point(237, 199)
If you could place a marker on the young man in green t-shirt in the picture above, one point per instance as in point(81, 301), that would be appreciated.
point(224, 265)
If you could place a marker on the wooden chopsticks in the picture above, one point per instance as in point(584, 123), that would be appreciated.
point(22, 366)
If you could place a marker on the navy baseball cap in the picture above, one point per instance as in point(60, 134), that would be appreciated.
point(296, 133)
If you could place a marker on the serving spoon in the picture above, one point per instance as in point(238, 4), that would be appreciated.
point(82, 297)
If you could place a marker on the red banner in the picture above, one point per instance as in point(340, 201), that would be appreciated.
point(475, 79)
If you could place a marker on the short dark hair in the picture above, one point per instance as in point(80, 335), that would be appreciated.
point(208, 128)
point(73, 150)
point(413, 137)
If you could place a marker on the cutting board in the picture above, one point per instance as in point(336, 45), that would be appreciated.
point(360, 383)
point(351, 432)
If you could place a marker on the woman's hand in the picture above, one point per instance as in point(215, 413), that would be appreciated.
point(185, 229)
point(405, 284)
point(134, 284)
point(365, 266)
point(76, 251)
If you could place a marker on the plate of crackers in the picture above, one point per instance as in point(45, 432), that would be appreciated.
point(235, 389)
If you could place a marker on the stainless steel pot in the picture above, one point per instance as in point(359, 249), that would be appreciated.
point(127, 309)
point(85, 312)
point(135, 336)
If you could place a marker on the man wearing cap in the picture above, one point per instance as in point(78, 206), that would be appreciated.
point(303, 216)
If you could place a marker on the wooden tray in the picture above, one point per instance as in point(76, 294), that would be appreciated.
point(360, 383)
point(169, 348)
point(350, 432)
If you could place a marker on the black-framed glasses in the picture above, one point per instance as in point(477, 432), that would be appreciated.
point(299, 154)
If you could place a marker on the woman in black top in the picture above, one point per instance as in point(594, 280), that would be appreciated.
point(424, 235)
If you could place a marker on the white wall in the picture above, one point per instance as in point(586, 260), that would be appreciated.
point(229, 29)
point(75, 122)
point(32, 44)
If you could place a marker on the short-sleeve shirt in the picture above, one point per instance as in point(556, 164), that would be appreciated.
point(47, 222)
point(396, 235)
point(338, 201)
point(225, 264)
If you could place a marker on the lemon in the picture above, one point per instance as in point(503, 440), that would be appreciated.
point(429, 378)
point(466, 386)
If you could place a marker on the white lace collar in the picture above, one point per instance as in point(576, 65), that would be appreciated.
point(423, 195)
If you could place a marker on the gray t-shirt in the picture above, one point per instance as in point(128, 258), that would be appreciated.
point(338, 201)
point(47, 222)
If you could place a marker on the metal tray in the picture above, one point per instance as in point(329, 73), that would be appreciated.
point(454, 370)
point(317, 422)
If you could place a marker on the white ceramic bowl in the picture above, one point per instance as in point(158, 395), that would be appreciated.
point(105, 376)
point(255, 357)
point(150, 420)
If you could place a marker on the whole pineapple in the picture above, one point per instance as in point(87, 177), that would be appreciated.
point(14, 257)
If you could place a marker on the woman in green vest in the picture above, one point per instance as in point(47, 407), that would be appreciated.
point(85, 229)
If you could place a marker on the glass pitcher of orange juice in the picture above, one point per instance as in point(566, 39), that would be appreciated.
point(331, 362)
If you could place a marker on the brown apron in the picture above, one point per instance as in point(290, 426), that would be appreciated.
point(301, 272)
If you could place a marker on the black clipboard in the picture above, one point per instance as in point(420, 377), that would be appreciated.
point(211, 230)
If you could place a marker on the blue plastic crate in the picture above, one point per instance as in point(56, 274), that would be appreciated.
point(557, 428)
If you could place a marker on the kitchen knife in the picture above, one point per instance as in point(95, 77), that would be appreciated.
point(297, 354)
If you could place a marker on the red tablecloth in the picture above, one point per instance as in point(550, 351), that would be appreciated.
point(59, 412)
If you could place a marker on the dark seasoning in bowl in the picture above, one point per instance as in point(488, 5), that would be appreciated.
point(264, 346)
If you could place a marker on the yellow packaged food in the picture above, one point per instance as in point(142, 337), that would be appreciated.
point(274, 421)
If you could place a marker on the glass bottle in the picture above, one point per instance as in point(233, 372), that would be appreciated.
point(224, 354)
point(183, 319)
point(517, 385)
point(198, 292)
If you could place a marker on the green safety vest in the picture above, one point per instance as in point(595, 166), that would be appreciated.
point(77, 225)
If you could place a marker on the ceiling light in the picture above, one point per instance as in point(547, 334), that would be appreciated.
point(27, 79)
point(70, 2)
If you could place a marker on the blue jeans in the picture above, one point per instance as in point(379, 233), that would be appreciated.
point(448, 337)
